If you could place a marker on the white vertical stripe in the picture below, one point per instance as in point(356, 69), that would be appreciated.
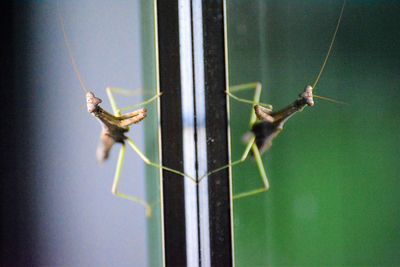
point(189, 159)
point(201, 131)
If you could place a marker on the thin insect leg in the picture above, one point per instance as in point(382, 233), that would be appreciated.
point(243, 158)
point(142, 103)
point(263, 174)
point(158, 166)
point(117, 176)
point(257, 87)
point(257, 94)
point(251, 143)
point(112, 90)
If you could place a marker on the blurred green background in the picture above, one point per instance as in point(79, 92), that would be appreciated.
point(334, 169)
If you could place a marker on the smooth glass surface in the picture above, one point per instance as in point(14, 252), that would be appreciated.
point(151, 133)
point(334, 169)
point(77, 221)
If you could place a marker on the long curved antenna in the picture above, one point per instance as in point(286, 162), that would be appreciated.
point(70, 54)
point(330, 47)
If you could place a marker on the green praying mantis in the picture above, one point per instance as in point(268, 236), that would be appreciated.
point(265, 125)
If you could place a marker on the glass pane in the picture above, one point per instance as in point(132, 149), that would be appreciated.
point(333, 198)
point(76, 220)
point(152, 133)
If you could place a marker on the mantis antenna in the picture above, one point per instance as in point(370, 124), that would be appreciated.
point(70, 54)
point(328, 54)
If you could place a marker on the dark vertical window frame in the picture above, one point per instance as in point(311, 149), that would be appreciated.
point(219, 184)
point(211, 207)
point(171, 132)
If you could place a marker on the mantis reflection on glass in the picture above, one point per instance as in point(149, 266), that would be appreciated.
point(115, 126)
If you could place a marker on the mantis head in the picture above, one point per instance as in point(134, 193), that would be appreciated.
point(92, 102)
point(307, 96)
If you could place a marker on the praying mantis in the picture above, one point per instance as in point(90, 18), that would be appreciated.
point(262, 132)
point(265, 125)
point(115, 126)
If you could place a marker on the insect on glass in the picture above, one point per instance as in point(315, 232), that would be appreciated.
point(270, 124)
point(115, 126)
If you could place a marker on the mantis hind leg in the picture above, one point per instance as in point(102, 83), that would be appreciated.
point(146, 160)
point(116, 181)
point(257, 87)
point(155, 165)
point(262, 172)
point(231, 164)
point(257, 156)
